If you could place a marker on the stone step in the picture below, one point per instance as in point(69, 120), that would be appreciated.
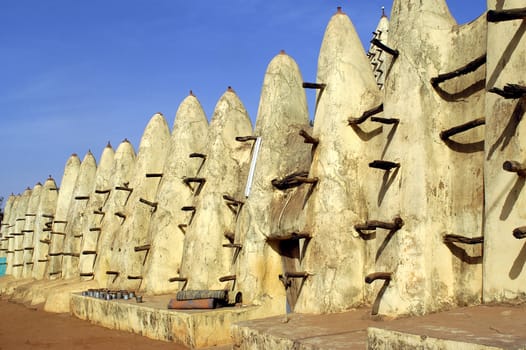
point(495, 327)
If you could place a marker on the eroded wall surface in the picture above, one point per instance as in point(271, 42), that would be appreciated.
point(437, 189)
point(4, 226)
point(56, 233)
point(263, 232)
point(91, 225)
point(180, 183)
point(122, 171)
point(335, 257)
point(210, 215)
point(77, 215)
point(126, 258)
point(44, 221)
point(504, 255)
point(10, 243)
point(14, 260)
point(424, 162)
point(28, 231)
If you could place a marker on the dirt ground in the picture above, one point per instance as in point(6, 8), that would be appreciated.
point(23, 327)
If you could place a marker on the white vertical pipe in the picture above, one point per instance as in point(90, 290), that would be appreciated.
point(252, 166)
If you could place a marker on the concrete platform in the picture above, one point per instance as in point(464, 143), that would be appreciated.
point(193, 328)
point(480, 327)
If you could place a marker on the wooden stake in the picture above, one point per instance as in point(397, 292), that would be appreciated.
point(506, 15)
point(386, 276)
point(468, 68)
point(461, 239)
point(366, 115)
point(446, 134)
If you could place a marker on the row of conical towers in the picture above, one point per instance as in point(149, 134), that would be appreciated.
point(396, 197)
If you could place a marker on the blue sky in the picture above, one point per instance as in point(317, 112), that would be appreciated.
point(77, 74)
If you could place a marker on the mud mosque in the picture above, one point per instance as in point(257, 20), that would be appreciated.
point(404, 196)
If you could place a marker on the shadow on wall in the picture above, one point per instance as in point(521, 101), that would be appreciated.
point(509, 131)
point(518, 264)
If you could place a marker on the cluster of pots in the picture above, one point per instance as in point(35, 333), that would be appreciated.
point(107, 294)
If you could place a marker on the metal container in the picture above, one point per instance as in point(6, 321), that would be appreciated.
point(138, 298)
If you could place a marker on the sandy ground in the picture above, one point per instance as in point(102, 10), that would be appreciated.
point(23, 327)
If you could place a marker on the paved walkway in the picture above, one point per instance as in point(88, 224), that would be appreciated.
point(501, 326)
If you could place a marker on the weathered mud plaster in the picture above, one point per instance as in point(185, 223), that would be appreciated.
point(28, 231)
point(437, 189)
point(504, 255)
point(119, 164)
point(380, 60)
point(193, 328)
point(122, 173)
point(335, 256)
point(270, 216)
point(57, 297)
point(78, 215)
point(182, 162)
point(23, 274)
point(44, 220)
point(37, 292)
point(8, 243)
point(4, 228)
point(205, 259)
point(10, 237)
point(91, 228)
point(60, 222)
point(134, 231)
point(15, 259)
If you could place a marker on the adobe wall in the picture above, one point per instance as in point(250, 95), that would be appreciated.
point(407, 210)
point(335, 257)
point(264, 245)
point(144, 183)
point(504, 255)
point(180, 183)
point(28, 231)
point(60, 222)
point(437, 189)
point(210, 214)
point(9, 239)
point(77, 215)
point(122, 171)
point(4, 226)
point(16, 248)
point(91, 225)
point(44, 220)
